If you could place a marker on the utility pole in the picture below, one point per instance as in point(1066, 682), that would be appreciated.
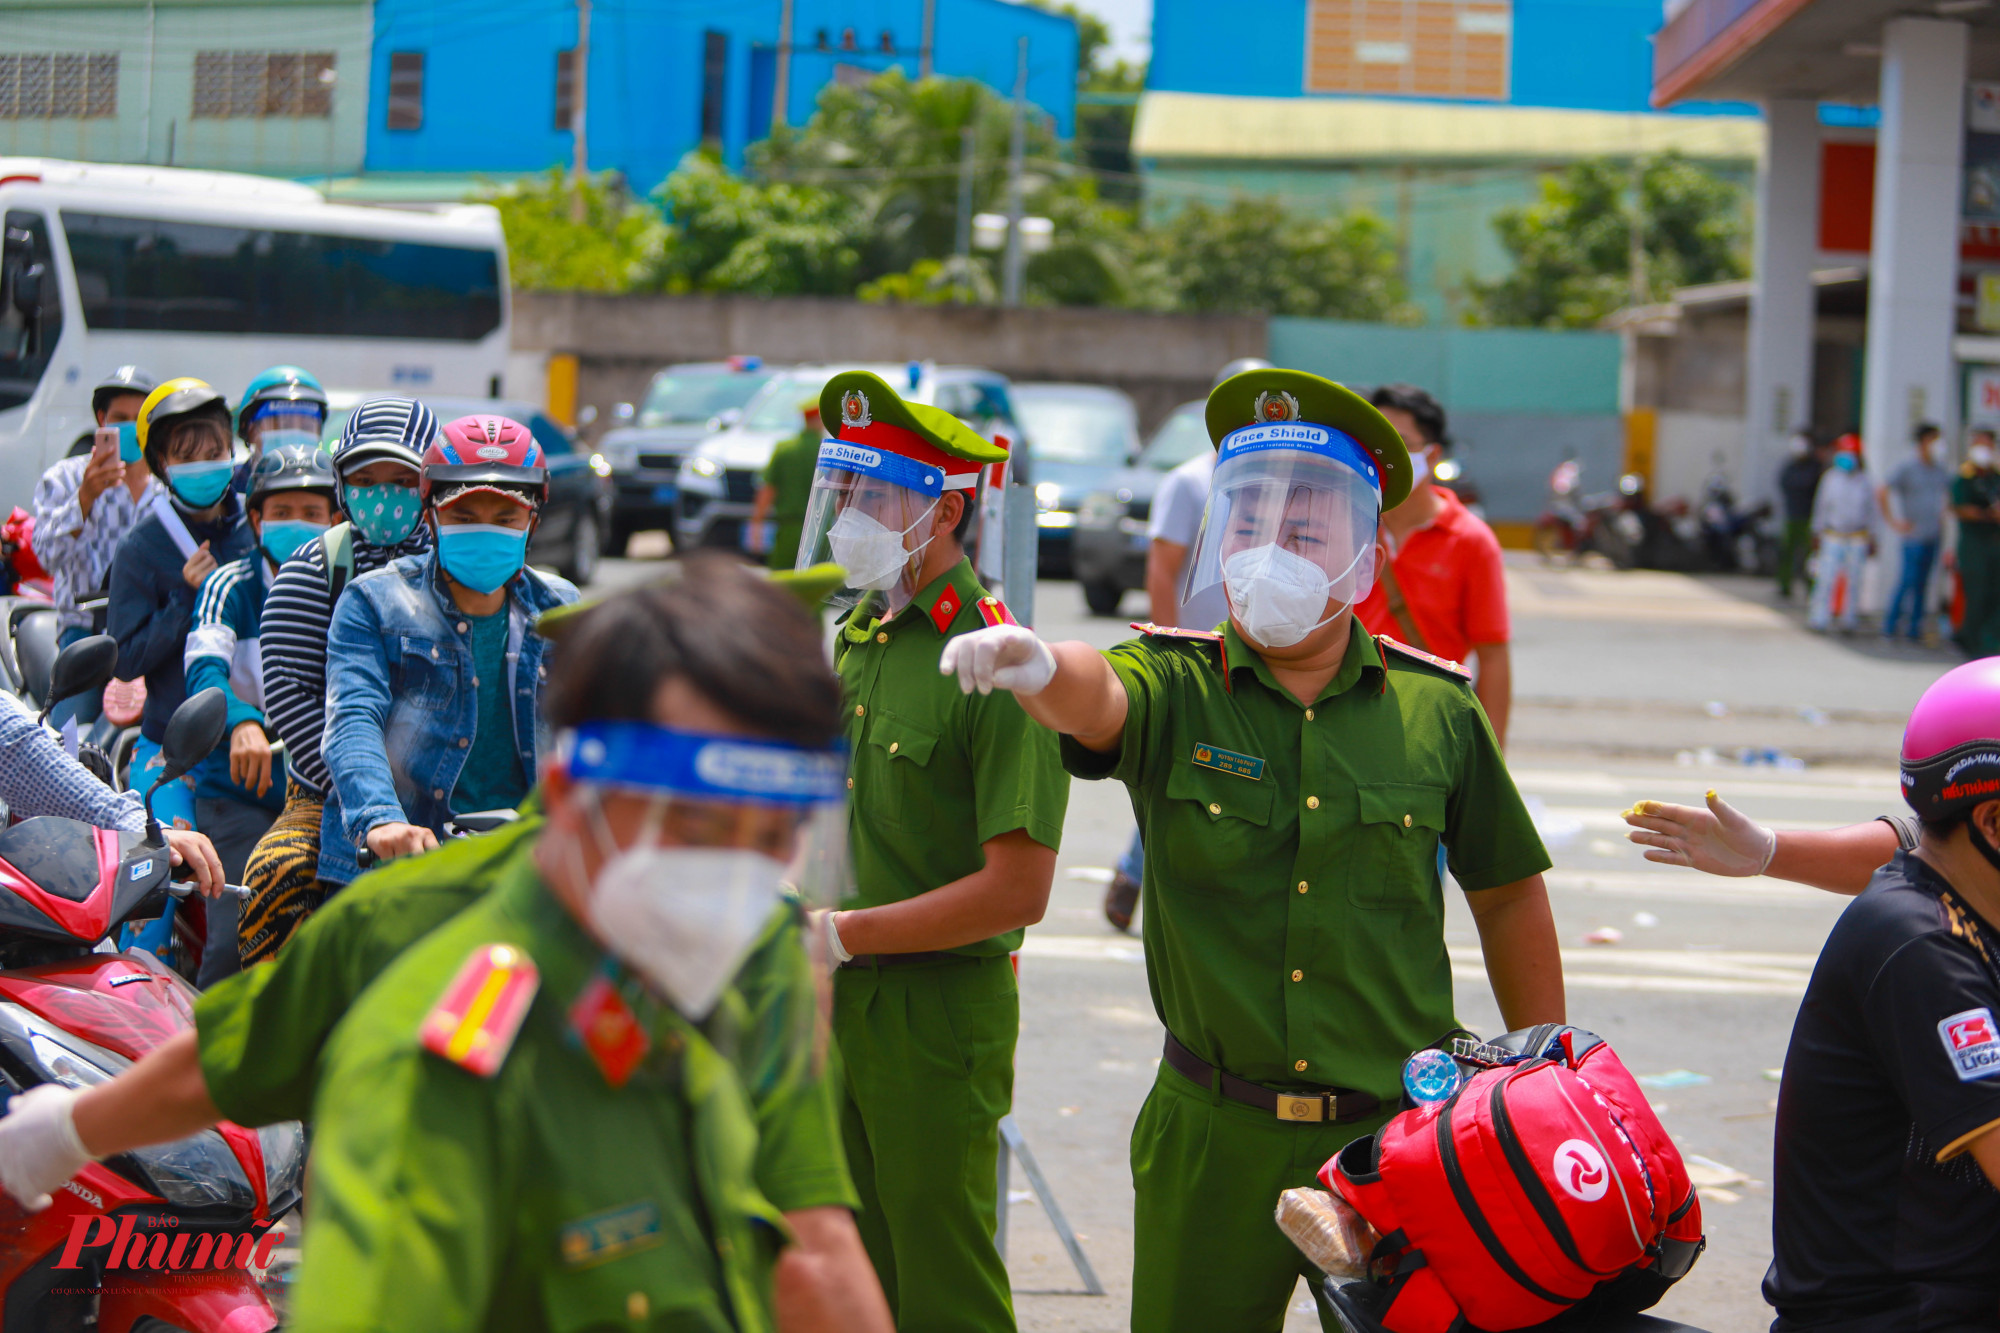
point(962, 246)
point(1016, 258)
point(781, 85)
point(929, 38)
point(579, 107)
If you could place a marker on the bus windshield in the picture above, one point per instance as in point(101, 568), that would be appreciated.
point(688, 397)
point(161, 274)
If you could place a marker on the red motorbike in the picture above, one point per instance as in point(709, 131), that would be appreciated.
point(167, 1238)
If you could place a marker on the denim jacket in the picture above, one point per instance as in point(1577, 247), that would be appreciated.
point(401, 706)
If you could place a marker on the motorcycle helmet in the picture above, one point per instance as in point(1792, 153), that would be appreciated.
point(485, 453)
point(177, 402)
point(292, 467)
point(1951, 747)
point(124, 380)
point(287, 393)
point(397, 429)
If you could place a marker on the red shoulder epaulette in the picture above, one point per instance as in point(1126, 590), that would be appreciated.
point(474, 1023)
point(1428, 659)
point(1152, 630)
point(994, 612)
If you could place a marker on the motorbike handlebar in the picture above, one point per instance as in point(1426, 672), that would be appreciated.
point(183, 888)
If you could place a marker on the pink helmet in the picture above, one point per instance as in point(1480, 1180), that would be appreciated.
point(485, 453)
point(1951, 748)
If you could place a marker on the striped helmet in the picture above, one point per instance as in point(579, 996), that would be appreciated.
point(396, 429)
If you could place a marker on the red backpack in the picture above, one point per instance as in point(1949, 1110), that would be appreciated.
point(1545, 1180)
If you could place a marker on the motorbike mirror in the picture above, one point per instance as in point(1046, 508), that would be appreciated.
point(193, 731)
point(84, 666)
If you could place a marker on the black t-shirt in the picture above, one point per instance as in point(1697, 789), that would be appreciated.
point(1881, 1220)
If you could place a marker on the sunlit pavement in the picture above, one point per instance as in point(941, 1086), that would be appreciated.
point(1630, 685)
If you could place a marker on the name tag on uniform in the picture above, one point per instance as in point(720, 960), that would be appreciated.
point(1228, 761)
point(606, 1235)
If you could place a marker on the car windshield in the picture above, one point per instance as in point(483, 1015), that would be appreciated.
point(688, 397)
point(1184, 436)
point(782, 403)
point(1069, 427)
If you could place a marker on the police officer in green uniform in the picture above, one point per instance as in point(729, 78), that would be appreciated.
point(956, 809)
point(1294, 778)
point(1975, 499)
point(786, 489)
point(717, 1140)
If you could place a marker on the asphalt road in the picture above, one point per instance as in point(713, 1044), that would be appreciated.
point(1629, 685)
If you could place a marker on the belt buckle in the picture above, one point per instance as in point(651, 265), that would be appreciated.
point(1301, 1109)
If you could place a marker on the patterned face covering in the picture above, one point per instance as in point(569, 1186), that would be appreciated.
point(385, 515)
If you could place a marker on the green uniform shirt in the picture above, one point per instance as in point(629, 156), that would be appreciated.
point(543, 1197)
point(789, 474)
point(262, 1032)
point(1294, 921)
point(936, 772)
point(1981, 488)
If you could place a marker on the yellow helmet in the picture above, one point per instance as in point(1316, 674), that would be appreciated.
point(179, 397)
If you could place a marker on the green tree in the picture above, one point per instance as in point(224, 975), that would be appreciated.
point(1253, 257)
point(764, 239)
point(616, 248)
point(1572, 248)
point(1107, 104)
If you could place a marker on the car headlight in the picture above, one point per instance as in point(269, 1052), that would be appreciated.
point(619, 454)
point(705, 467)
point(1048, 494)
point(600, 465)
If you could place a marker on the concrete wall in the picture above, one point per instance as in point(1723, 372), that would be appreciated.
point(619, 341)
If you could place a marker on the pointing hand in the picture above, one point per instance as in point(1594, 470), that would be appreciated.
point(1008, 657)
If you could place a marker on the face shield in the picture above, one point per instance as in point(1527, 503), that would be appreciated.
point(722, 828)
point(873, 513)
point(282, 421)
point(1290, 529)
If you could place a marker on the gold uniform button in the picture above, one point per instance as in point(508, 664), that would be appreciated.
point(895, 746)
point(1309, 714)
point(1302, 886)
point(860, 710)
point(1298, 975)
point(1312, 802)
point(850, 784)
point(1406, 821)
point(637, 1306)
point(1300, 1066)
point(882, 636)
point(1214, 809)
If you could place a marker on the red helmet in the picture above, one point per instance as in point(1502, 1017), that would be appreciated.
point(485, 453)
point(1951, 748)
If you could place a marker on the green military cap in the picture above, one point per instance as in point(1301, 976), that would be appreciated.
point(811, 586)
point(1257, 397)
point(859, 406)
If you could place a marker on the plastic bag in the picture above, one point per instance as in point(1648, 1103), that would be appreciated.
point(1327, 1231)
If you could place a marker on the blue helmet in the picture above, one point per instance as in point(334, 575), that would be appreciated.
point(274, 391)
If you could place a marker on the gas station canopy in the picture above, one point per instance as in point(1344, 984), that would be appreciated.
point(1822, 50)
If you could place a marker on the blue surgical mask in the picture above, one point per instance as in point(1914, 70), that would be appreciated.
point(385, 515)
point(482, 556)
point(281, 538)
point(128, 442)
point(1846, 462)
point(199, 485)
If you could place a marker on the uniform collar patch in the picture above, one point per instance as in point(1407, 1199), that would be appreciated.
point(609, 1031)
point(946, 608)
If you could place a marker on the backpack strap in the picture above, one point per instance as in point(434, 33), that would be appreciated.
point(337, 545)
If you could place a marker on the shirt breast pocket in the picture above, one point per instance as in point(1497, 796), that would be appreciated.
point(1400, 824)
point(1218, 823)
point(427, 675)
point(899, 791)
point(634, 1291)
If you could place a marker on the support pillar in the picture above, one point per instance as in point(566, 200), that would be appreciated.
point(1778, 396)
point(1913, 261)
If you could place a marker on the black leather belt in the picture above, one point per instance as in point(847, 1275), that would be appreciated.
point(878, 961)
point(1336, 1105)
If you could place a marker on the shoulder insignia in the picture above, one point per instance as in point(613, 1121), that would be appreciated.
point(1445, 664)
point(945, 609)
point(475, 1022)
point(994, 612)
point(1152, 631)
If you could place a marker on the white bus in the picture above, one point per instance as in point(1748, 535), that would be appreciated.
point(220, 275)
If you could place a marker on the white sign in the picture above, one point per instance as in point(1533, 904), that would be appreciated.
point(1982, 107)
point(1982, 396)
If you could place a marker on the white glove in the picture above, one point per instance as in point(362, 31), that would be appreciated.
point(39, 1149)
point(1720, 840)
point(825, 919)
point(1007, 656)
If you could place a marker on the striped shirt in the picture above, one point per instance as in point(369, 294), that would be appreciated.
point(293, 644)
point(37, 777)
point(76, 550)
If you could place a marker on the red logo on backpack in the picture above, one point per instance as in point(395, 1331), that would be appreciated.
point(1544, 1182)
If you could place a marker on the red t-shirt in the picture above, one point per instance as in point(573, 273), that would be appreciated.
point(1453, 580)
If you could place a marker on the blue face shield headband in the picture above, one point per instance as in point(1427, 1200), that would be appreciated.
point(896, 469)
point(641, 757)
point(1304, 436)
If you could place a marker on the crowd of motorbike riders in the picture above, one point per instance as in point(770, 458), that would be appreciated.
point(792, 1077)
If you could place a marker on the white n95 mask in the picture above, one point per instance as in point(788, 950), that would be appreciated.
point(872, 554)
point(1279, 597)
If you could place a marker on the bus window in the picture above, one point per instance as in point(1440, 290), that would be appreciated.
point(159, 274)
point(30, 307)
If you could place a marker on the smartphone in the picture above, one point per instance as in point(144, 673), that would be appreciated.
point(105, 445)
point(120, 438)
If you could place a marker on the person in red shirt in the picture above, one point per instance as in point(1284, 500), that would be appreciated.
point(1443, 589)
